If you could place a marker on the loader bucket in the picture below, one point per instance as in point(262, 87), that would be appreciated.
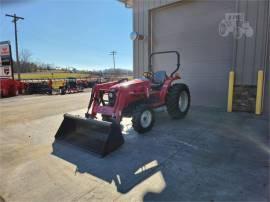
point(100, 137)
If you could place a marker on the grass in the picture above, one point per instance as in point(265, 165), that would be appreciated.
point(51, 75)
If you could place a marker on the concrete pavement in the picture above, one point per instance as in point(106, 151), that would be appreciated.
point(210, 155)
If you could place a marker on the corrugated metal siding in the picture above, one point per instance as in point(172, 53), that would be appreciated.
point(249, 53)
point(141, 24)
point(135, 43)
point(251, 50)
point(266, 106)
point(266, 103)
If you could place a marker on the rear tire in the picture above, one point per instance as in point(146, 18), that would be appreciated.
point(178, 101)
point(142, 118)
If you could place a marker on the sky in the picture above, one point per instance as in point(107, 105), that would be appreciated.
point(65, 33)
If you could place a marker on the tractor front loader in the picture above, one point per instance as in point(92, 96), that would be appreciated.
point(136, 99)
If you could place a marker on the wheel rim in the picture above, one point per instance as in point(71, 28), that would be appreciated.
point(183, 101)
point(146, 119)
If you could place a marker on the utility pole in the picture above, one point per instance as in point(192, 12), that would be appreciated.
point(15, 19)
point(113, 53)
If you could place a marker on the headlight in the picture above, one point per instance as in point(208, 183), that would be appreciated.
point(110, 95)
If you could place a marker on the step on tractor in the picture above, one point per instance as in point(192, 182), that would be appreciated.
point(137, 99)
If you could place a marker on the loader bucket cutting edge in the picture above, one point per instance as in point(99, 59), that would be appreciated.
point(96, 136)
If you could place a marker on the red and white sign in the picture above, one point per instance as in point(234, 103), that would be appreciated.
point(5, 72)
point(4, 49)
point(5, 61)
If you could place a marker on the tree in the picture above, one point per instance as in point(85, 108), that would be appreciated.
point(25, 57)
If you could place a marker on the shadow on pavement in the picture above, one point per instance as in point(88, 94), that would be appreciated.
point(125, 167)
point(137, 159)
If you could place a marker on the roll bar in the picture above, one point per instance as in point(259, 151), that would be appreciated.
point(165, 52)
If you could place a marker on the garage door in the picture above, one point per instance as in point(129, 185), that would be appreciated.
point(206, 57)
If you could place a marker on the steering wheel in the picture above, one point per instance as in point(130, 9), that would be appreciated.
point(148, 75)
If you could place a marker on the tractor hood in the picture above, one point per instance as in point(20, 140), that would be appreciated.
point(128, 84)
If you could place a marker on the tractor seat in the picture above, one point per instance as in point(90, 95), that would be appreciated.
point(158, 80)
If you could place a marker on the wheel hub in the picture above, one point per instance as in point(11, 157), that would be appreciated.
point(183, 101)
point(146, 119)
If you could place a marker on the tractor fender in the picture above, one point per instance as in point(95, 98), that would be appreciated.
point(177, 81)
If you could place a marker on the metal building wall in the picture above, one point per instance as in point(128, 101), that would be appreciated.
point(141, 25)
point(266, 102)
point(249, 52)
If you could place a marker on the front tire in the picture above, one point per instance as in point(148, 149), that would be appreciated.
point(178, 101)
point(106, 118)
point(143, 118)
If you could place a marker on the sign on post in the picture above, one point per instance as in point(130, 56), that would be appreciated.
point(5, 60)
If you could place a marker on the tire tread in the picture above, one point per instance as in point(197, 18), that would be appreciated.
point(136, 124)
point(173, 98)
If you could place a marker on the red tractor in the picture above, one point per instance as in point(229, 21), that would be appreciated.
point(137, 99)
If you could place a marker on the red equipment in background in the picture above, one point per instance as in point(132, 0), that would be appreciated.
point(8, 86)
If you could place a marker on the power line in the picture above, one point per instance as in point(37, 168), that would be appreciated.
point(113, 53)
point(15, 19)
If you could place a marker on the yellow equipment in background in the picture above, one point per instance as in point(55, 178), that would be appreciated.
point(58, 84)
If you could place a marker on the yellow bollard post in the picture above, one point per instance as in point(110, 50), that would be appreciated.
point(258, 109)
point(230, 91)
